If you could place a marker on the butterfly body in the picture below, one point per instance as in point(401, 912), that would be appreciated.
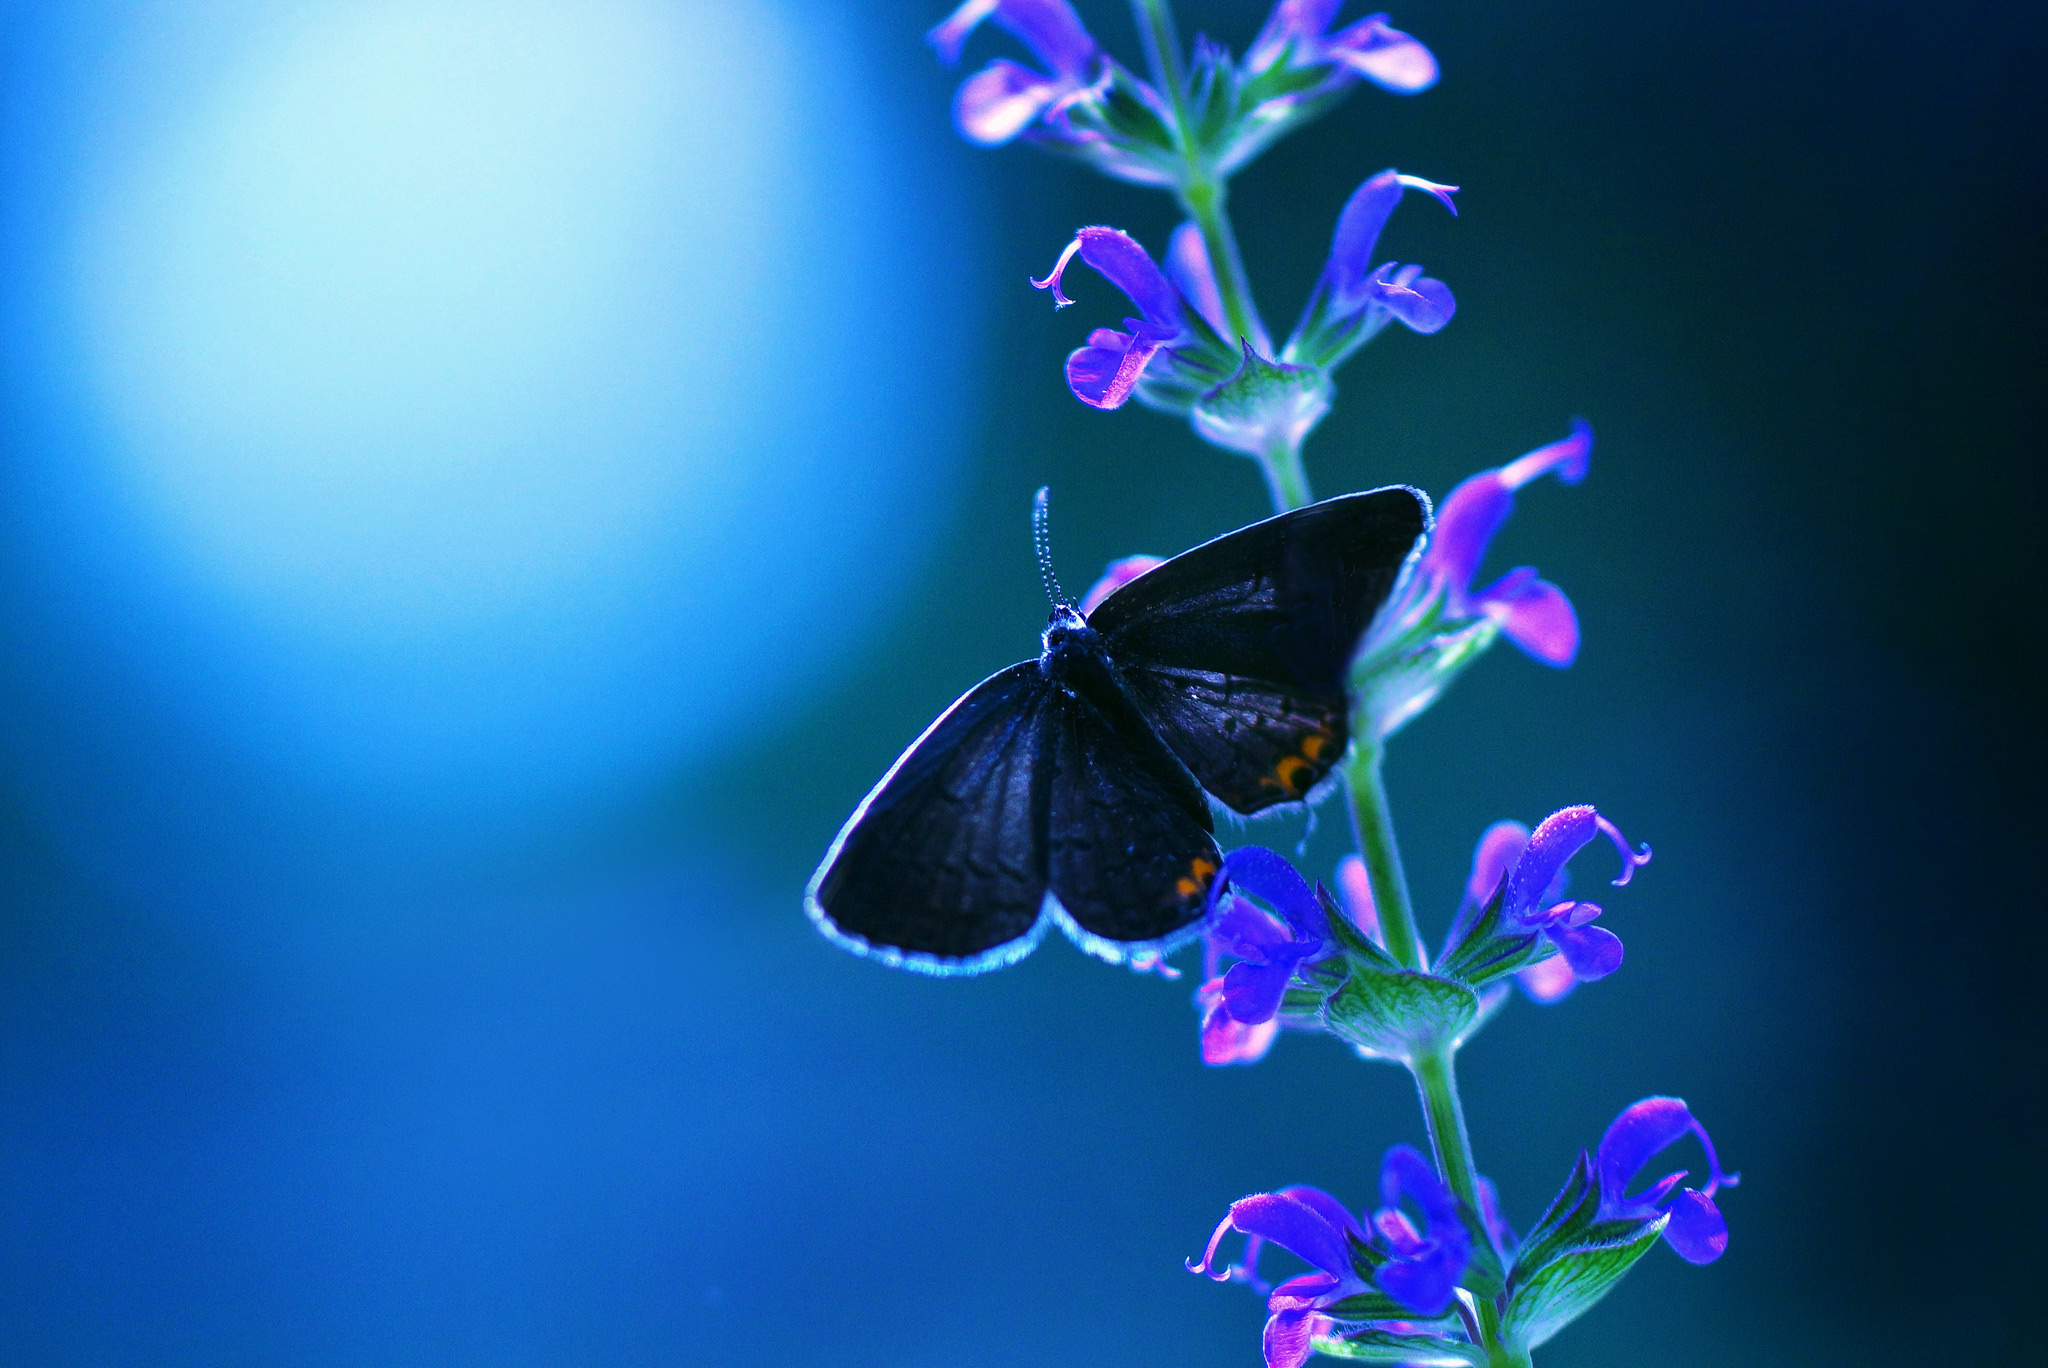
point(1069, 790)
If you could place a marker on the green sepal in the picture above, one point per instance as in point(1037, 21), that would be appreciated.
point(1565, 1288)
point(1570, 1260)
point(1263, 405)
point(1395, 681)
point(1354, 941)
point(1482, 955)
point(1372, 1345)
point(1394, 1014)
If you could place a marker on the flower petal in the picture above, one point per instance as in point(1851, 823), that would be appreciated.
point(1126, 265)
point(1187, 266)
point(1384, 55)
point(1547, 980)
point(1051, 29)
point(1424, 304)
point(1557, 838)
point(1475, 510)
point(1423, 1284)
point(1568, 458)
point(1535, 615)
point(951, 32)
point(1636, 1137)
point(1593, 952)
point(1297, 1227)
point(1299, 22)
point(1697, 1231)
point(1331, 1210)
point(1226, 1040)
point(1496, 852)
point(1356, 886)
point(1252, 992)
point(1104, 379)
point(1266, 874)
point(1119, 573)
point(1248, 931)
point(1000, 101)
point(1289, 1338)
point(1405, 1172)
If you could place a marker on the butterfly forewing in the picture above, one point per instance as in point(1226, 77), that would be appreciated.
point(943, 867)
point(1237, 650)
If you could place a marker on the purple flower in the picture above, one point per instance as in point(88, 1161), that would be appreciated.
point(1240, 1006)
point(1299, 31)
point(1418, 1269)
point(1696, 1230)
point(1534, 866)
point(1003, 98)
point(1532, 613)
point(1104, 373)
point(1355, 299)
point(1119, 573)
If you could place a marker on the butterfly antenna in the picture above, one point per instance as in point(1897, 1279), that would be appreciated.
point(1042, 541)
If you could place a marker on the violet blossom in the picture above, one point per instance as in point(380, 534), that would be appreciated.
point(1436, 624)
point(1697, 1230)
point(1240, 1006)
point(1004, 98)
point(1178, 345)
point(1298, 30)
point(1418, 1269)
point(1354, 298)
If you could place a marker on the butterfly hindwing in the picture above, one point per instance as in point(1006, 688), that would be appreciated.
point(942, 868)
point(1129, 851)
point(1237, 650)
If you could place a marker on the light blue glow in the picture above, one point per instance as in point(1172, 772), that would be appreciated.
point(468, 407)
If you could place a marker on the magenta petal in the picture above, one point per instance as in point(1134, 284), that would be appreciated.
point(1536, 616)
point(1104, 379)
point(1465, 524)
point(1226, 1040)
point(1697, 1231)
point(1385, 56)
point(1296, 1227)
point(1637, 1135)
point(1568, 458)
point(1556, 839)
point(1119, 573)
point(948, 35)
point(1328, 1207)
point(1497, 850)
point(1289, 1338)
point(1187, 266)
point(1051, 29)
point(1592, 951)
point(1126, 265)
point(1266, 874)
point(1547, 980)
point(1000, 101)
point(1424, 305)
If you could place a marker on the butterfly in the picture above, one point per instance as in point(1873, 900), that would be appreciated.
point(1068, 790)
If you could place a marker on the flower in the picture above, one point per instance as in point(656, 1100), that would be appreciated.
point(1105, 373)
point(1592, 952)
point(1436, 624)
point(1003, 98)
point(1119, 573)
point(1696, 1230)
point(1417, 1269)
point(1547, 980)
point(1354, 299)
point(1298, 30)
point(1240, 1008)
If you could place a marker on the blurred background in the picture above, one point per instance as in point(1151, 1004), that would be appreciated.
point(486, 487)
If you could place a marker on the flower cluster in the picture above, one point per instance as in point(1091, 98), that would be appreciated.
point(1433, 1274)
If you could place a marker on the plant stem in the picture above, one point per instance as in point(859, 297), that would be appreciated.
point(1202, 196)
point(1436, 1078)
point(1375, 829)
point(1162, 48)
point(1285, 478)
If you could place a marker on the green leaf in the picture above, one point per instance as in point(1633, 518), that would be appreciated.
point(1393, 1014)
point(1566, 1287)
point(1384, 1346)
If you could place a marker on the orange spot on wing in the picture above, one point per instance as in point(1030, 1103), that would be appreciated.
point(1196, 881)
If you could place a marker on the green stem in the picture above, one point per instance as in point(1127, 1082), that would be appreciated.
point(1162, 49)
point(1285, 478)
point(1436, 1078)
point(1202, 196)
point(1375, 828)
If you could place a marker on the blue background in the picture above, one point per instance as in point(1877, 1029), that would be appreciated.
point(485, 488)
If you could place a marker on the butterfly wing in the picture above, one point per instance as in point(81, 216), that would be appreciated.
point(1237, 651)
point(1129, 852)
point(942, 867)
